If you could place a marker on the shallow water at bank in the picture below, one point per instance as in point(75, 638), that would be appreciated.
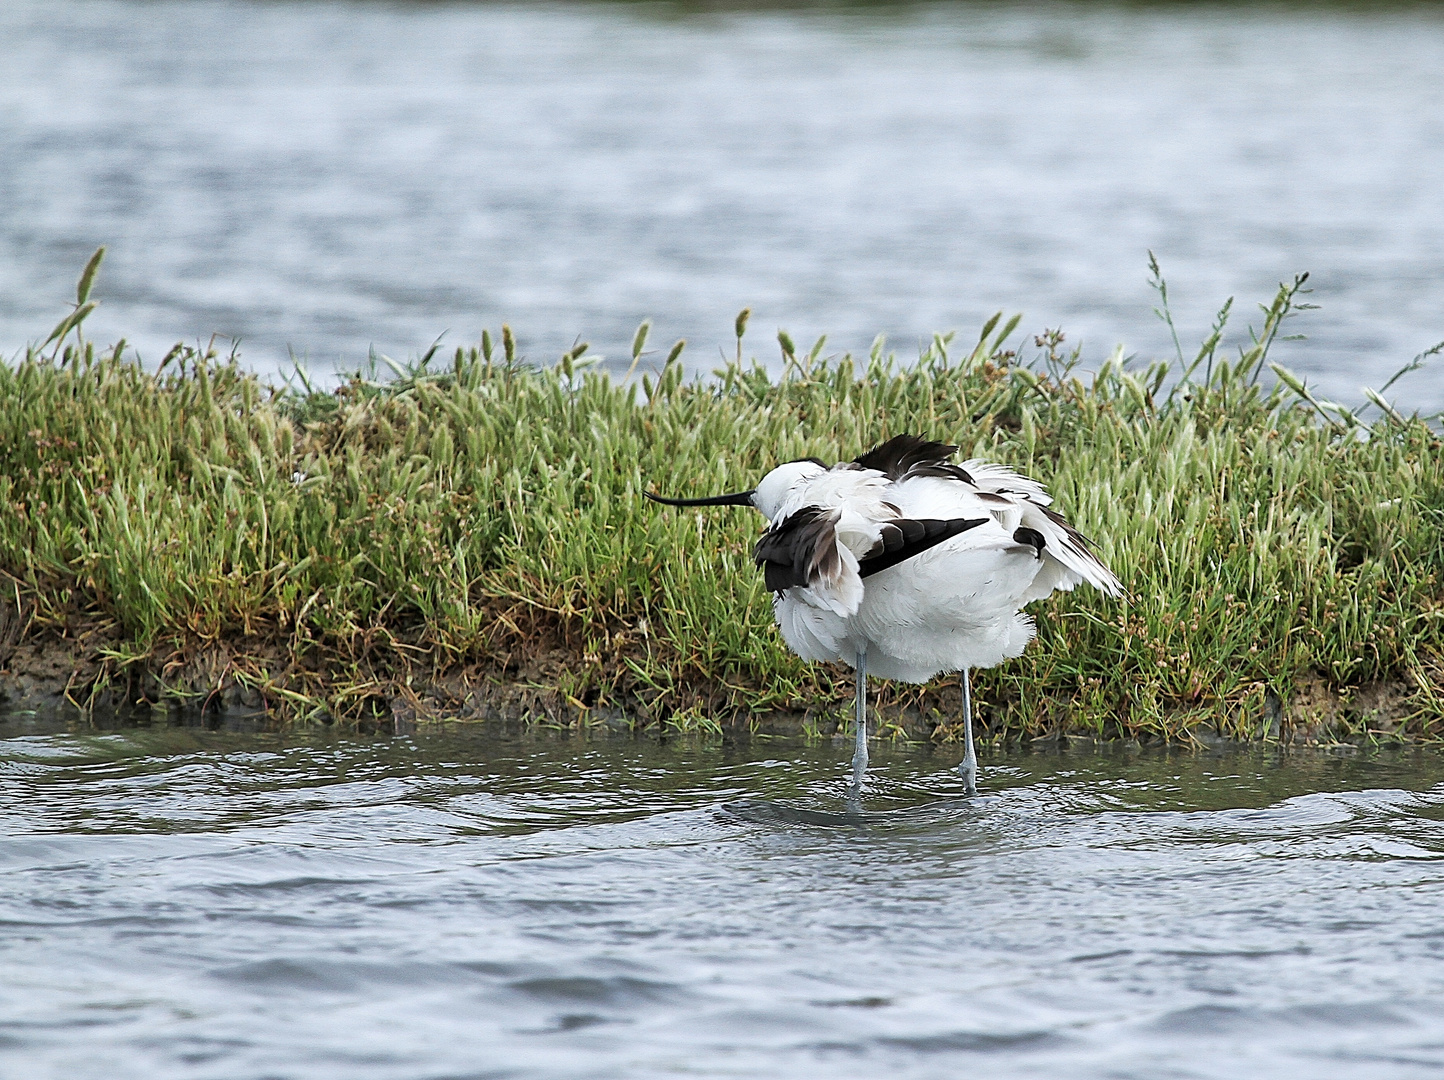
point(185, 902)
point(325, 176)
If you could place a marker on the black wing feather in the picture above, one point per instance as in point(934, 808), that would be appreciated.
point(1079, 542)
point(905, 456)
point(906, 537)
point(902, 452)
point(798, 548)
point(940, 468)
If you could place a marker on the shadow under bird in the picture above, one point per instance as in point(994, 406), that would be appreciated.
point(904, 565)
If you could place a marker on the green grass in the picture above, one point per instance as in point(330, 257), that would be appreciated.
point(472, 517)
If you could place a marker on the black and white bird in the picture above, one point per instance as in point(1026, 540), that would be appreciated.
point(905, 566)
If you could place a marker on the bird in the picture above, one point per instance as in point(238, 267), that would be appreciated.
point(904, 565)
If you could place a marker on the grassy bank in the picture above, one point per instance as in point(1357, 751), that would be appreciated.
point(473, 525)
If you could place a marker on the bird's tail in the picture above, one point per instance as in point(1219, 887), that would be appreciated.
point(1071, 553)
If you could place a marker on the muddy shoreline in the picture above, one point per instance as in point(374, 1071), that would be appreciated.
point(219, 681)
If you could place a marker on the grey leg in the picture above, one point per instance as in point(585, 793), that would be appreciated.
point(859, 756)
point(968, 770)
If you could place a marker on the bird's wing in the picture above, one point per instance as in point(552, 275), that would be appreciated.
point(801, 549)
point(1019, 508)
point(1000, 480)
point(806, 551)
point(902, 538)
point(904, 453)
point(1056, 539)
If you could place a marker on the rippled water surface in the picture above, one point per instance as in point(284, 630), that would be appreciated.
point(327, 174)
point(179, 902)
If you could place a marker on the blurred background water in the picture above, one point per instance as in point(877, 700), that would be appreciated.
point(185, 902)
point(327, 176)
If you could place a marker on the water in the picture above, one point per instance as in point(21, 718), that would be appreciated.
point(182, 902)
point(328, 176)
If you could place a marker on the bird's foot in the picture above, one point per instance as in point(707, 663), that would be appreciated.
point(968, 770)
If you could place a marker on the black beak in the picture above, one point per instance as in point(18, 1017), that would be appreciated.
point(741, 498)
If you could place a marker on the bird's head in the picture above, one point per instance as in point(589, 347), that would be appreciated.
point(773, 489)
point(769, 494)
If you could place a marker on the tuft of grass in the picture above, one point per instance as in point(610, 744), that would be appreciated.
point(481, 518)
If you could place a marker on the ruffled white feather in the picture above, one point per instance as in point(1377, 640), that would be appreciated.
point(956, 605)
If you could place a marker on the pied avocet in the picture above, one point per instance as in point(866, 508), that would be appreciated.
point(904, 565)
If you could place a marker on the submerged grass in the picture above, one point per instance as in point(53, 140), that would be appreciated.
point(472, 517)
